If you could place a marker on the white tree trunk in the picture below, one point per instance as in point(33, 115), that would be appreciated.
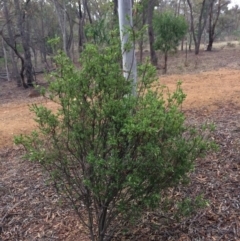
point(61, 14)
point(129, 59)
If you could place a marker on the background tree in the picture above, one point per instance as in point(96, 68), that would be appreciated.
point(202, 10)
point(22, 25)
point(11, 41)
point(23, 14)
point(150, 13)
point(216, 8)
point(81, 19)
point(63, 10)
point(228, 24)
point(169, 30)
point(26, 27)
point(140, 21)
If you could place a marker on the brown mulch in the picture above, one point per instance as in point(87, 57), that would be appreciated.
point(217, 178)
point(31, 210)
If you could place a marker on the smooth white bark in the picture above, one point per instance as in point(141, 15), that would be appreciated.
point(129, 59)
point(61, 14)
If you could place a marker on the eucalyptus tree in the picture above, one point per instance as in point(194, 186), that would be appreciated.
point(23, 13)
point(45, 28)
point(128, 51)
point(60, 8)
point(88, 11)
point(115, 7)
point(65, 13)
point(140, 21)
point(10, 40)
point(199, 12)
point(228, 25)
point(216, 9)
point(150, 12)
point(81, 19)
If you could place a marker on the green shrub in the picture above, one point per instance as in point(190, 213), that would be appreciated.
point(109, 153)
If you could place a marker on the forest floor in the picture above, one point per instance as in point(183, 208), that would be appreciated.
point(29, 207)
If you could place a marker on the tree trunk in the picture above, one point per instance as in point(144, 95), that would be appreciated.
point(12, 42)
point(178, 7)
point(165, 62)
point(213, 23)
point(197, 46)
point(43, 44)
point(140, 46)
point(151, 5)
point(70, 37)
point(16, 75)
point(61, 14)
point(190, 42)
point(129, 59)
point(14, 48)
point(35, 57)
point(142, 22)
point(86, 8)
point(186, 55)
point(24, 29)
point(115, 8)
point(182, 44)
point(81, 37)
point(202, 20)
point(6, 60)
point(210, 43)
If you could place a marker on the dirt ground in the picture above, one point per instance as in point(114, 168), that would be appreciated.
point(212, 84)
point(206, 90)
